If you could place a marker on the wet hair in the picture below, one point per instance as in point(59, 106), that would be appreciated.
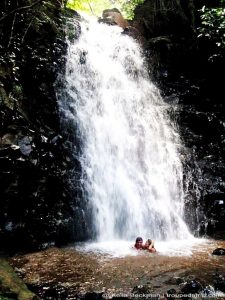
point(149, 241)
point(139, 239)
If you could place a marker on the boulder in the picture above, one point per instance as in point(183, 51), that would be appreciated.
point(219, 282)
point(134, 33)
point(171, 294)
point(191, 287)
point(143, 289)
point(11, 286)
point(219, 251)
point(113, 17)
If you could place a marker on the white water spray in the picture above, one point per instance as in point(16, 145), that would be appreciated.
point(132, 172)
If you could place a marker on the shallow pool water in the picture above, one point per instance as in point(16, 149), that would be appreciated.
point(114, 267)
point(120, 248)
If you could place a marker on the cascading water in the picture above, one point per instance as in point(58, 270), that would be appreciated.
point(132, 172)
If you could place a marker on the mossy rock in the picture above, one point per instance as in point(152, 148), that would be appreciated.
point(5, 100)
point(11, 286)
point(3, 95)
point(3, 72)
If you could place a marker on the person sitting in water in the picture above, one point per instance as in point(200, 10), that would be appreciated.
point(149, 245)
point(139, 243)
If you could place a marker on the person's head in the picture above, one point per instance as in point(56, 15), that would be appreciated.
point(148, 242)
point(138, 242)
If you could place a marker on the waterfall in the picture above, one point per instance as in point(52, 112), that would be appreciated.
point(131, 167)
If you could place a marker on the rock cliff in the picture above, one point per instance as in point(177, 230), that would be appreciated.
point(188, 71)
point(34, 159)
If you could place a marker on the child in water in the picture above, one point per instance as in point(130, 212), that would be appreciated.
point(149, 245)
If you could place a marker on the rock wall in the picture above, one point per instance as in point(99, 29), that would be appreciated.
point(36, 205)
point(188, 70)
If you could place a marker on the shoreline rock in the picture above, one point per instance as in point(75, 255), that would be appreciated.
point(11, 286)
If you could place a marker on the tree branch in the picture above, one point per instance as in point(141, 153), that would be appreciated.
point(20, 8)
point(89, 4)
point(12, 28)
point(27, 29)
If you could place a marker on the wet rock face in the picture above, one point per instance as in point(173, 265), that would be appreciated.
point(34, 202)
point(30, 56)
point(135, 34)
point(214, 214)
point(219, 282)
point(201, 124)
point(158, 18)
point(201, 120)
point(188, 72)
point(35, 160)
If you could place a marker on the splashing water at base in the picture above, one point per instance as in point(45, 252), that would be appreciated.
point(118, 248)
point(132, 172)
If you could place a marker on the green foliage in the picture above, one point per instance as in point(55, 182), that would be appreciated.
point(95, 7)
point(128, 7)
point(213, 24)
